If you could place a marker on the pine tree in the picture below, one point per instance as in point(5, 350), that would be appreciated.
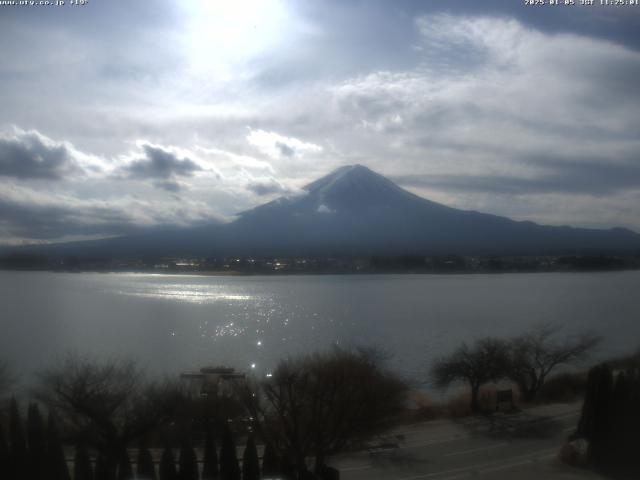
point(188, 463)
point(104, 469)
point(287, 469)
point(125, 471)
point(18, 447)
point(250, 462)
point(633, 447)
point(82, 464)
point(620, 413)
point(210, 470)
point(168, 466)
point(36, 438)
point(229, 467)
point(596, 418)
point(5, 463)
point(56, 461)
point(270, 464)
point(145, 469)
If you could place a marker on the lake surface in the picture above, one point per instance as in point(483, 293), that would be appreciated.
point(176, 323)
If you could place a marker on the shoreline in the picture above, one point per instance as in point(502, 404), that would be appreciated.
point(268, 273)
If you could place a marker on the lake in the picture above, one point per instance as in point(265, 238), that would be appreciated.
point(182, 322)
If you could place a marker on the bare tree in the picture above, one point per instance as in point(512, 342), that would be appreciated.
point(318, 405)
point(485, 361)
point(534, 355)
point(107, 404)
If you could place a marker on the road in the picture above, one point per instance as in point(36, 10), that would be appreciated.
point(520, 446)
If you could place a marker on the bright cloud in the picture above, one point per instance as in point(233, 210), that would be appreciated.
point(278, 146)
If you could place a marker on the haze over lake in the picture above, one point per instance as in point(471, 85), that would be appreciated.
point(176, 323)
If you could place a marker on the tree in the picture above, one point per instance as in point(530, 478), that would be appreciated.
point(57, 463)
point(18, 451)
point(36, 438)
point(82, 464)
point(229, 467)
point(534, 355)
point(188, 463)
point(596, 412)
point(484, 362)
point(321, 404)
point(105, 468)
point(110, 404)
point(210, 469)
point(5, 458)
point(610, 420)
point(168, 466)
point(270, 464)
point(125, 471)
point(250, 462)
point(145, 469)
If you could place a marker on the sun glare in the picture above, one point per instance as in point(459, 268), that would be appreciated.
point(225, 34)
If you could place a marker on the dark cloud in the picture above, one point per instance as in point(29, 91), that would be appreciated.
point(28, 155)
point(285, 150)
point(267, 187)
point(37, 221)
point(160, 163)
point(29, 215)
point(168, 185)
point(558, 177)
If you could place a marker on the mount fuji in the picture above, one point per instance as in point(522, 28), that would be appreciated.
point(355, 211)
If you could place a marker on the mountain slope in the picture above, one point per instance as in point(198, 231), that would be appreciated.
point(354, 211)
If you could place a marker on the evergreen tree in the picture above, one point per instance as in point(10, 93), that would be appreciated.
point(619, 427)
point(250, 462)
point(104, 467)
point(125, 471)
point(37, 443)
point(188, 463)
point(600, 426)
point(82, 464)
point(287, 469)
point(210, 469)
point(633, 446)
point(56, 461)
point(270, 464)
point(229, 467)
point(145, 469)
point(168, 466)
point(328, 473)
point(5, 464)
point(18, 447)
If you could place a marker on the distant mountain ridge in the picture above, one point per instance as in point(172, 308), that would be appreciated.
point(355, 211)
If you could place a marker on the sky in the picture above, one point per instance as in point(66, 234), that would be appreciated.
point(118, 116)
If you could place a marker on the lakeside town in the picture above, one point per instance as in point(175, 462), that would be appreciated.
point(326, 265)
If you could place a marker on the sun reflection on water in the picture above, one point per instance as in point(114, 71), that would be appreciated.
point(200, 294)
